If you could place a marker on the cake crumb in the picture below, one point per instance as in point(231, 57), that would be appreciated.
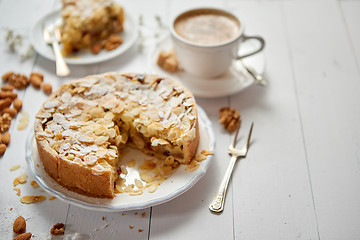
point(15, 167)
point(131, 227)
point(32, 199)
point(52, 198)
point(20, 179)
point(17, 191)
point(11, 209)
point(103, 218)
point(34, 184)
point(140, 230)
point(143, 214)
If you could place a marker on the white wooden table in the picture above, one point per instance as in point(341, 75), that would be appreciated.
point(301, 178)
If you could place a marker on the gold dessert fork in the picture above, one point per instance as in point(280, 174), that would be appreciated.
point(52, 36)
point(217, 204)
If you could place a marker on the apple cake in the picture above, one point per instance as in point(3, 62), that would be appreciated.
point(82, 127)
point(87, 22)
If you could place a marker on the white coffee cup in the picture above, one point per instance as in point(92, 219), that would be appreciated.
point(198, 51)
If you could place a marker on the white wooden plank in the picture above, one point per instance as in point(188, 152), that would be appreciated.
point(350, 11)
point(189, 213)
point(271, 186)
point(43, 212)
point(327, 80)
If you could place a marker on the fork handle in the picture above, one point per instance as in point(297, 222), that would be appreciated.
point(217, 204)
point(62, 69)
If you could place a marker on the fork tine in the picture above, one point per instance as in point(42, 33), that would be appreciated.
point(249, 137)
point(235, 137)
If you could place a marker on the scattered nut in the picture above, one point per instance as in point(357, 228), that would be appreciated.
point(7, 87)
point(32, 199)
point(37, 75)
point(167, 60)
point(17, 103)
point(57, 229)
point(5, 138)
point(19, 81)
point(4, 103)
point(8, 94)
point(230, 118)
point(2, 149)
point(36, 82)
point(113, 42)
point(11, 111)
point(5, 77)
point(24, 236)
point(47, 88)
point(5, 121)
point(19, 225)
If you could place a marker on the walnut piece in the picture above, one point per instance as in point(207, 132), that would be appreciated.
point(167, 60)
point(57, 229)
point(5, 121)
point(18, 81)
point(229, 118)
point(113, 42)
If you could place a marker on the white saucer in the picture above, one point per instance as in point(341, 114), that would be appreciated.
point(83, 57)
point(233, 81)
point(179, 182)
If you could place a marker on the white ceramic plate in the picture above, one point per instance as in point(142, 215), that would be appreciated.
point(83, 57)
point(179, 182)
point(233, 81)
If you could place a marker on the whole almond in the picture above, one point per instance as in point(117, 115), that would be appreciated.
point(5, 139)
point(5, 77)
point(17, 104)
point(19, 225)
point(2, 149)
point(7, 87)
point(8, 94)
point(36, 81)
point(11, 111)
point(24, 236)
point(37, 75)
point(4, 103)
point(47, 88)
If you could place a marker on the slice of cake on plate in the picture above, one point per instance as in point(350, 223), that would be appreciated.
point(87, 22)
point(82, 128)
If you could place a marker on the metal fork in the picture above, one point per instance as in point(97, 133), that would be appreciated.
point(217, 204)
point(52, 36)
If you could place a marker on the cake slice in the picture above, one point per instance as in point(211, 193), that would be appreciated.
point(87, 22)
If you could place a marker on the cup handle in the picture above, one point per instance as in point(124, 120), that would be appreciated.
point(262, 45)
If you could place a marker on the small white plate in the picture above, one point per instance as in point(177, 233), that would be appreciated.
point(83, 57)
point(233, 81)
point(179, 182)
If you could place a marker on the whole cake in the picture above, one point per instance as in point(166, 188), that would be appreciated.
point(82, 127)
point(86, 22)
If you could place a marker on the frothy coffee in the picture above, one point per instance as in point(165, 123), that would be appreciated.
point(207, 26)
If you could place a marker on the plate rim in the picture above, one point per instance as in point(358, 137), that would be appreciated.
point(149, 203)
point(133, 30)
